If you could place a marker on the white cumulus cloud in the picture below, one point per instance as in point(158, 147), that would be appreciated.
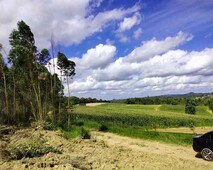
point(98, 57)
point(129, 22)
point(71, 21)
point(154, 47)
point(166, 70)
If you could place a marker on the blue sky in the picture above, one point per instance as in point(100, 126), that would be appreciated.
point(160, 18)
point(123, 48)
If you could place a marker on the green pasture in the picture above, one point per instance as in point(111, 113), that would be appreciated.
point(140, 121)
point(149, 116)
point(134, 132)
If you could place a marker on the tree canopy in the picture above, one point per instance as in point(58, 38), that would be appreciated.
point(29, 91)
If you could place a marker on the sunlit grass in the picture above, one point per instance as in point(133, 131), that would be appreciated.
point(152, 116)
point(134, 132)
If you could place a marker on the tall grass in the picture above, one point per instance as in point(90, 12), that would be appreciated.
point(134, 132)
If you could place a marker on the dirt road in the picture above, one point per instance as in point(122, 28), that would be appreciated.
point(197, 130)
point(106, 151)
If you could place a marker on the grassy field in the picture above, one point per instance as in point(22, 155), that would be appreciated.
point(141, 121)
point(149, 116)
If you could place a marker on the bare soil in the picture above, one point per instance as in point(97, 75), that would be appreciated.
point(196, 130)
point(104, 151)
point(94, 104)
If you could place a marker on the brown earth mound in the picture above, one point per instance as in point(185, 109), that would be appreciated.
point(105, 151)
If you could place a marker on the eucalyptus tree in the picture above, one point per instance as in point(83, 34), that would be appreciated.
point(31, 76)
point(3, 79)
point(67, 69)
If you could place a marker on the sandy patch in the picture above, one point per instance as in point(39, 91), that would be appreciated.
point(94, 104)
point(197, 130)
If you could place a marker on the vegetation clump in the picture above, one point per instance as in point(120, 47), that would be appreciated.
point(103, 128)
point(30, 89)
point(190, 107)
point(85, 134)
point(29, 149)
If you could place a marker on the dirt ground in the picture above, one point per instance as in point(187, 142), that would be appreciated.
point(104, 151)
point(197, 130)
point(94, 104)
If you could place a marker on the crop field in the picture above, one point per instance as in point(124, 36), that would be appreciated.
point(142, 121)
point(148, 116)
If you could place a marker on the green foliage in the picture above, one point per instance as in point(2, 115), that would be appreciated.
point(142, 116)
point(85, 134)
point(103, 128)
point(44, 57)
point(175, 138)
point(29, 92)
point(66, 66)
point(73, 132)
point(156, 100)
point(78, 123)
point(132, 131)
point(82, 101)
point(190, 107)
point(210, 103)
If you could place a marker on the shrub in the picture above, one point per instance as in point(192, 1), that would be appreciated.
point(190, 107)
point(79, 123)
point(85, 133)
point(211, 105)
point(103, 128)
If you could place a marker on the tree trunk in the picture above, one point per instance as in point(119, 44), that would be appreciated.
point(68, 110)
point(5, 85)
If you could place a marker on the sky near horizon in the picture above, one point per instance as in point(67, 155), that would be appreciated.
point(123, 48)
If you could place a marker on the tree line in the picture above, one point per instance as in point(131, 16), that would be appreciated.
point(189, 102)
point(199, 100)
point(76, 100)
point(28, 91)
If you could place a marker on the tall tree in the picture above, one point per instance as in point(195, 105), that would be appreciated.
point(3, 76)
point(67, 68)
point(30, 74)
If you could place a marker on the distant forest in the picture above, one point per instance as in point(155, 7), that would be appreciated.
point(199, 98)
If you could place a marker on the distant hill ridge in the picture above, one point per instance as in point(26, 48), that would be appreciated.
point(191, 94)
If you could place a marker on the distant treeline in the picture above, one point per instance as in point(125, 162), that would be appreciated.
point(199, 100)
point(76, 100)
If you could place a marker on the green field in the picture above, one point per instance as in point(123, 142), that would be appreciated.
point(149, 116)
point(141, 121)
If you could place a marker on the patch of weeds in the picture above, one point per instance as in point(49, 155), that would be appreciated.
point(103, 128)
point(79, 123)
point(85, 134)
point(34, 148)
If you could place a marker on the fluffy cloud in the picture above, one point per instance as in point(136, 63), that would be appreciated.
point(129, 22)
point(180, 63)
point(164, 71)
point(137, 33)
point(70, 21)
point(98, 57)
point(153, 47)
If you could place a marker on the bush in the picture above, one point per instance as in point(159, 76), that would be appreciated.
point(85, 133)
point(103, 128)
point(190, 107)
point(210, 103)
point(79, 123)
